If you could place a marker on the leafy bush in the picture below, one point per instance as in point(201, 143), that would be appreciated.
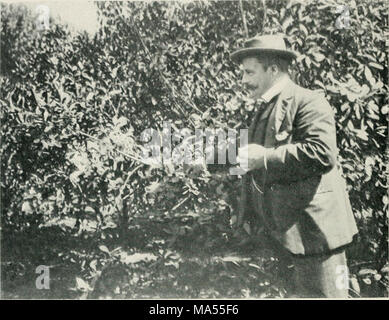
point(74, 110)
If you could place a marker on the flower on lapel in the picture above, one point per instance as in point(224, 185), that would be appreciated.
point(281, 136)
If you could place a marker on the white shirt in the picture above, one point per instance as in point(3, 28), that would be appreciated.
point(270, 93)
point(275, 89)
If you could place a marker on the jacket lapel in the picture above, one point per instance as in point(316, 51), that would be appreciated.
point(276, 129)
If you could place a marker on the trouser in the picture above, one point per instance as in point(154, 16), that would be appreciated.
point(323, 276)
point(316, 276)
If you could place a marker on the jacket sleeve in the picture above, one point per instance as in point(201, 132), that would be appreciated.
point(312, 150)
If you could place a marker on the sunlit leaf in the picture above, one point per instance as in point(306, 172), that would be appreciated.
point(82, 285)
point(104, 249)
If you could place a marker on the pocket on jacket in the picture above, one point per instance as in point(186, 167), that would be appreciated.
point(300, 194)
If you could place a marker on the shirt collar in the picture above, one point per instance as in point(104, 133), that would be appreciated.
point(275, 89)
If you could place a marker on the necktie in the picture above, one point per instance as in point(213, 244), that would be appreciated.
point(261, 105)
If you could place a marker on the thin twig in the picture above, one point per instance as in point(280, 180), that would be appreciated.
point(179, 204)
point(171, 91)
point(264, 15)
point(246, 30)
point(122, 153)
point(127, 179)
point(95, 279)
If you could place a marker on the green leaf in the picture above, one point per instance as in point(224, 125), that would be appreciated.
point(255, 266)
point(136, 257)
point(89, 210)
point(303, 29)
point(376, 65)
point(366, 271)
point(319, 83)
point(369, 76)
point(363, 135)
point(120, 122)
point(287, 22)
point(26, 207)
point(38, 99)
point(385, 269)
point(104, 249)
point(93, 265)
point(82, 285)
point(318, 56)
point(235, 260)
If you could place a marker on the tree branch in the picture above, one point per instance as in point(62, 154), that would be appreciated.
point(246, 30)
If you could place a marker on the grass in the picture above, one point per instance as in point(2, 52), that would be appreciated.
point(147, 264)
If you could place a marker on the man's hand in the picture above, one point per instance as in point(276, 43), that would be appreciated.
point(251, 157)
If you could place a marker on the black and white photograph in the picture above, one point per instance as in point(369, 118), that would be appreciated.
point(200, 150)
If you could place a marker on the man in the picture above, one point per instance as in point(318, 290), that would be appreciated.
point(293, 187)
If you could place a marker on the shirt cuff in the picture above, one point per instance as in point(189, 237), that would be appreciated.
point(270, 155)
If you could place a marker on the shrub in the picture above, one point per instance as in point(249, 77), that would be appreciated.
point(74, 108)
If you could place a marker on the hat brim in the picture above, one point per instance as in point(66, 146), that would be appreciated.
point(238, 55)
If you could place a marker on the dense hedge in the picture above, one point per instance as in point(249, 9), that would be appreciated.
point(73, 109)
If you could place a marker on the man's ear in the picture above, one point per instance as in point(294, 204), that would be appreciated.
point(274, 69)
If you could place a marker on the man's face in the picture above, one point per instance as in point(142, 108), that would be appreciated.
point(255, 79)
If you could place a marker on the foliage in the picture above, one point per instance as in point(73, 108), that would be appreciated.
point(74, 109)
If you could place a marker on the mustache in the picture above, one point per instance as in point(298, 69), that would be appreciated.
point(248, 87)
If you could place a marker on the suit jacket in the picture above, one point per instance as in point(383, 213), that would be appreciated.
point(300, 197)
